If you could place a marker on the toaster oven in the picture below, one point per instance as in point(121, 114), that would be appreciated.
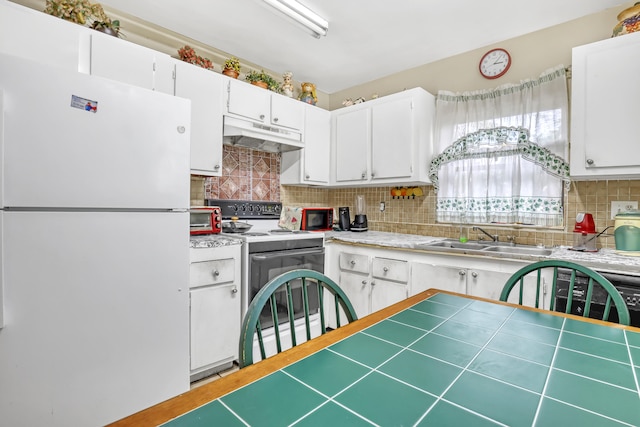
point(205, 220)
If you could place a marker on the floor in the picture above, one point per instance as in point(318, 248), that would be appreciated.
point(214, 377)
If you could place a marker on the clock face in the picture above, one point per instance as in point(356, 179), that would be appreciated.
point(495, 63)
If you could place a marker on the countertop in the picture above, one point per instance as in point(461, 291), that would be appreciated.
point(213, 241)
point(603, 260)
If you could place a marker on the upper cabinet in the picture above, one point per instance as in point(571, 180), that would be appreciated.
point(37, 36)
point(605, 109)
point(310, 165)
point(264, 106)
point(205, 89)
point(130, 63)
point(386, 141)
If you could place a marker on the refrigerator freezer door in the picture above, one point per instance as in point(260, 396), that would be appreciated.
point(71, 140)
point(96, 315)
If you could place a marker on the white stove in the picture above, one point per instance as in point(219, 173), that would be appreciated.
point(268, 251)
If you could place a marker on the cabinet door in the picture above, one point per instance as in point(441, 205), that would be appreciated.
point(358, 290)
point(287, 112)
point(249, 101)
point(384, 293)
point(605, 108)
point(310, 165)
point(122, 61)
point(317, 139)
point(485, 283)
point(426, 276)
point(215, 325)
point(205, 90)
point(352, 137)
point(392, 139)
point(37, 36)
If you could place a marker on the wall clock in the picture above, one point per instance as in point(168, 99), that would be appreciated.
point(495, 63)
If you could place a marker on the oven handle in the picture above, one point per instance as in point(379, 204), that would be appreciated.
point(288, 253)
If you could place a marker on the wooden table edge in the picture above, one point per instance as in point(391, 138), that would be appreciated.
point(192, 399)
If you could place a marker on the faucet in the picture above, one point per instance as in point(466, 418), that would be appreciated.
point(494, 237)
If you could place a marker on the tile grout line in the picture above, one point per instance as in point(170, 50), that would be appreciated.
point(546, 381)
point(633, 368)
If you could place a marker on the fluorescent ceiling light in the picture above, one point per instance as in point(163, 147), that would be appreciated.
point(302, 15)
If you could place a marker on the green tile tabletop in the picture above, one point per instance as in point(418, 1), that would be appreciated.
point(436, 359)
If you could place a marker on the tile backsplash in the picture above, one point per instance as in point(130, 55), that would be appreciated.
point(254, 175)
point(246, 175)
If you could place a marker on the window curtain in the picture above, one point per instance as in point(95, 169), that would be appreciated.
point(502, 153)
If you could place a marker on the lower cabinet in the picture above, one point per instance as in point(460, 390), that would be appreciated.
point(374, 278)
point(215, 310)
point(471, 281)
point(372, 282)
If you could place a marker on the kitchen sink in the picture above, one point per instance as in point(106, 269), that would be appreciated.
point(457, 245)
point(488, 248)
point(518, 250)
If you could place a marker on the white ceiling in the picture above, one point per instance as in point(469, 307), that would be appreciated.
point(367, 39)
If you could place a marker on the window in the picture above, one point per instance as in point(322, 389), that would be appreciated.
point(502, 153)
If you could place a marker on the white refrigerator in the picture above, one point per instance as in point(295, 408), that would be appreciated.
point(94, 233)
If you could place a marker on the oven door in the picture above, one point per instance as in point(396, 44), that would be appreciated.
point(266, 266)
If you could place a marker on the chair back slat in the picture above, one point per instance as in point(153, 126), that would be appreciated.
point(573, 301)
point(323, 327)
point(251, 324)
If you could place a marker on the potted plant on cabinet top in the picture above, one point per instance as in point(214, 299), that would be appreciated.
point(262, 79)
point(188, 54)
point(84, 13)
point(231, 67)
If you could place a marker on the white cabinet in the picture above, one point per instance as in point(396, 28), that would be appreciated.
point(205, 89)
point(127, 62)
point(215, 311)
point(372, 282)
point(34, 35)
point(310, 165)
point(482, 277)
point(264, 106)
point(605, 109)
point(385, 141)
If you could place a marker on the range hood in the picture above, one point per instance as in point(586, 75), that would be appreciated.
point(257, 136)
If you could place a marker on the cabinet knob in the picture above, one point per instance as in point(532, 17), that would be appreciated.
point(216, 273)
point(462, 272)
point(353, 262)
point(590, 162)
point(474, 274)
point(307, 176)
point(364, 175)
point(261, 116)
point(385, 269)
point(275, 120)
point(364, 282)
point(373, 283)
point(216, 167)
point(373, 175)
point(234, 290)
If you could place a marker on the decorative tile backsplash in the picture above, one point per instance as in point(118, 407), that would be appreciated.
point(254, 175)
point(246, 175)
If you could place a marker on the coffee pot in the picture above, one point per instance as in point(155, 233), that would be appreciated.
point(360, 220)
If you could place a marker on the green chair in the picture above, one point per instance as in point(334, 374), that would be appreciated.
point(595, 282)
point(266, 296)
